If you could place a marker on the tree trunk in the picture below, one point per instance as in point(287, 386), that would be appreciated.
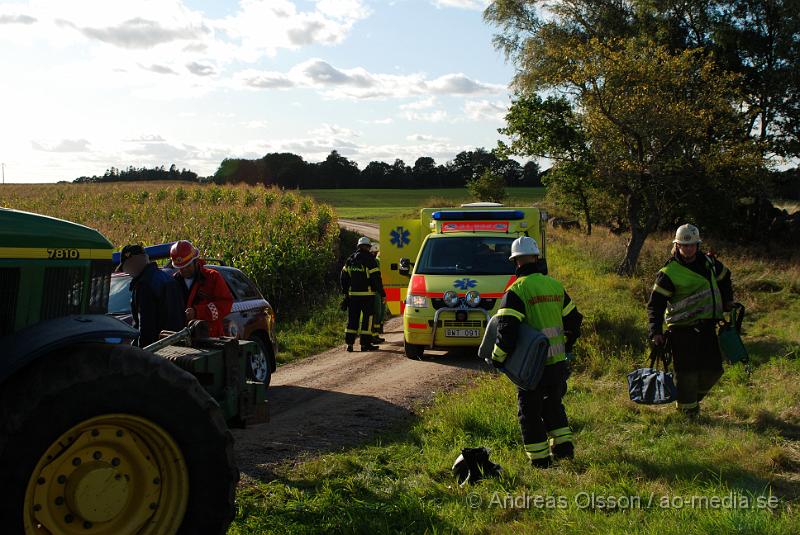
point(634, 247)
point(586, 213)
point(639, 233)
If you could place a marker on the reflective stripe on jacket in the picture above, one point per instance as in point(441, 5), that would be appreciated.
point(544, 302)
point(361, 275)
point(694, 298)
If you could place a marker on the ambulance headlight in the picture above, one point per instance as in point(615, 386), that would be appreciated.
point(450, 299)
point(473, 298)
point(416, 301)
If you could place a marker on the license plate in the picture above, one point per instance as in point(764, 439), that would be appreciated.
point(462, 333)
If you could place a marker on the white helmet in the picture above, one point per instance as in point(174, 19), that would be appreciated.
point(687, 234)
point(363, 240)
point(524, 246)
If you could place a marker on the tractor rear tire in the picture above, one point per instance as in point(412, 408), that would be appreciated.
point(56, 393)
point(413, 351)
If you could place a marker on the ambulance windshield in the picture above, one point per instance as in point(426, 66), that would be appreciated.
point(476, 255)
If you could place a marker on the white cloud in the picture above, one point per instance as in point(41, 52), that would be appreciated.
point(387, 120)
point(16, 19)
point(483, 110)
point(200, 70)
point(422, 104)
point(333, 131)
point(427, 117)
point(463, 4)
point(425, 137)
point(358, 83)
point(138, 33)
point(255, 124)
point(65, 145)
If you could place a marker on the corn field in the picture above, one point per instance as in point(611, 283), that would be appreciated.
point(285, 242)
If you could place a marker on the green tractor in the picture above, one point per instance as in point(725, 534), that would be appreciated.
point(98, 436)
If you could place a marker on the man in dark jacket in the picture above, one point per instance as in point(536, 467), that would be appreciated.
point(361, 281)
point(541, 302)
point(156, 302)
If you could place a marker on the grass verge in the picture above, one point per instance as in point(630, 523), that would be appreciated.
point(638, 469)
point(322, 330)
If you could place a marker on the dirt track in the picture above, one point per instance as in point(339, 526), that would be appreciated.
point(367, 229)
point(338, 399)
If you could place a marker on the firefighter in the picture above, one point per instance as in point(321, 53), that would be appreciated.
point(205, 292)
point(156, 301)
point(541, 302)
point(360, 281)
point(690, 294)
point(380, 303)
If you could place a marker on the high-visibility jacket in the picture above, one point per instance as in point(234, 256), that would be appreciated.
point(361, 276)
point(693, 296)
point(209, 296)
point(541, 302)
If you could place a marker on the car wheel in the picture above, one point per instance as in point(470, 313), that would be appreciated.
point(413, 351)
point(260, 369)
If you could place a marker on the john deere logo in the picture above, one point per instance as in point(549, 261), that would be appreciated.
point(400, 237)
point(465, 283)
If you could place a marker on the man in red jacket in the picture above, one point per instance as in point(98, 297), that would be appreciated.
point(206, 294)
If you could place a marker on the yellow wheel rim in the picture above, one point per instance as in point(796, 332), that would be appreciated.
point(112, 474)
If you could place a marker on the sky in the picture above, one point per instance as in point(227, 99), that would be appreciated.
point(90, 84)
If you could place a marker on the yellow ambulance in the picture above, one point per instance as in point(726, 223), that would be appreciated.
point(447, 271)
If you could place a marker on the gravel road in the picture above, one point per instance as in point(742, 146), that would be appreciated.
point(338, 399)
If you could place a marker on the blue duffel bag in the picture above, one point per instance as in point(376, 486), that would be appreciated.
point(525, 365)
point(651, 386)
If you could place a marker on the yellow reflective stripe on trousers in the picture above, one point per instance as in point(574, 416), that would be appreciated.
point(687, 406)
point(358, 294)
point(511, 312)
point(350, 331)
point(498, 354)
point(567, 309)
point(560, 435)
point(539, 450)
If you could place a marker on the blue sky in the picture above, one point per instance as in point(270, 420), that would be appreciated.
point(94, 83)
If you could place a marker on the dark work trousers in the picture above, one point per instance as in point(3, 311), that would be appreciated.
point(542, 414)
point(361, 308)
point(697, 361)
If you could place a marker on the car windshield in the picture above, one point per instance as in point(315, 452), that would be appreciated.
point(475, 255)
point(119, 300)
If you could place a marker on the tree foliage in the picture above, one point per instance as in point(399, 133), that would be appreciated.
point(488, 187)
point(652, 131)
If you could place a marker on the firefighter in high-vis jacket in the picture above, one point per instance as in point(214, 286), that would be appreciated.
point(380, 303)
point(361, 281)
point(541, 302)
point(690, 294)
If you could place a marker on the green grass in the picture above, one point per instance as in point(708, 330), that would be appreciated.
point(374, 204)
point(746, 445)
point(322, 330)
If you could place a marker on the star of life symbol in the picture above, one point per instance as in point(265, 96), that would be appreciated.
point(465, 284)
point(400, 237)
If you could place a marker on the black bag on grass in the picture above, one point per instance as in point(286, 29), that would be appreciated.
point(651, 386)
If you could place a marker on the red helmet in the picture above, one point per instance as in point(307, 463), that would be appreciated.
point(183, 253)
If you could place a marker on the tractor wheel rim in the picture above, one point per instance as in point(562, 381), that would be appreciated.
point(115, 473)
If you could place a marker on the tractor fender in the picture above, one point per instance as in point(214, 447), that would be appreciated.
point(30, 343)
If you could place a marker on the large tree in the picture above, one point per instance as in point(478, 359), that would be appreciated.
point(657, 121)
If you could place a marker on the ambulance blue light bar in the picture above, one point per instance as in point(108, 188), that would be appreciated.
point(478, 215)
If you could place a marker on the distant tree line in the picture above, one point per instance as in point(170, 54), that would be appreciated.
point(114, 174)
point(289, 170)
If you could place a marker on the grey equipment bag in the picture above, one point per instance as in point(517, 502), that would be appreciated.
point(525, 365)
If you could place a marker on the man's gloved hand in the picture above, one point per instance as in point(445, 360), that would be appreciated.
point(345, 303)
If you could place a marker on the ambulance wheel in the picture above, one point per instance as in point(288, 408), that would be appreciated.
point(413, 351)
point(112, 439)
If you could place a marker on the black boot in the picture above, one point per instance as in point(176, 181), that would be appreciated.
point(545, 462)
point(369, 347)
point(565, 450)
point(349, 348)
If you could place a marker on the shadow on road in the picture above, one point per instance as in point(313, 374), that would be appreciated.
point(312, 421)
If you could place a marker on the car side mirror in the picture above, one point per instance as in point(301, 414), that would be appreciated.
point(405, 267)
